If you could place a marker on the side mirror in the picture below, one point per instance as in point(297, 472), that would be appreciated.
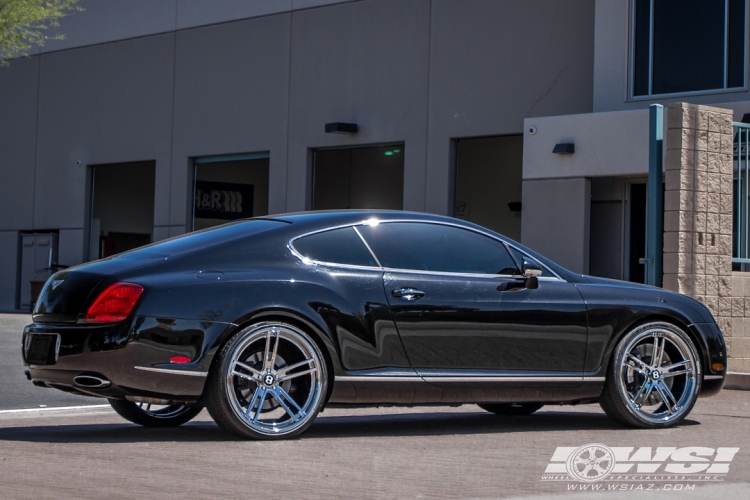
point(531, 270)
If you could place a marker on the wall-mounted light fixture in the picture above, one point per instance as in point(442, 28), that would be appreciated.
point(341, 128)
point(564, 148)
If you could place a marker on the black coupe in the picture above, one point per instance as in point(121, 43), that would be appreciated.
point(265, 321)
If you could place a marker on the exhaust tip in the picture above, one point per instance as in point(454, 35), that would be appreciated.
point(91, 381)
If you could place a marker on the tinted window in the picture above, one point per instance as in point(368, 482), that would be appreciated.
point(339, 246)
point(434, 247)
point(205, 237)
point(688, 45)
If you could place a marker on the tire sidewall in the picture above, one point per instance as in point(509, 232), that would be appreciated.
point(221, 408)
point(614, 373)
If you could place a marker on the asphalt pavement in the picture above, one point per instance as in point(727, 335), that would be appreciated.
point(441, 452)
point(15, 390)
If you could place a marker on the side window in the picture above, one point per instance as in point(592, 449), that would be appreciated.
point(338, 246)
point(519, 255)
point(435, 247)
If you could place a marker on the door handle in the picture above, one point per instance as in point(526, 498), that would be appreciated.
point(407, 293)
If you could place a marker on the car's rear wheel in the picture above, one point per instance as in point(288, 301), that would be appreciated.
point(654, 377)
point(152, 415)
point(269, 382)
point(511, 409)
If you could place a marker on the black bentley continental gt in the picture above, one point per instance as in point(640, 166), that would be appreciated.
point(266, 321)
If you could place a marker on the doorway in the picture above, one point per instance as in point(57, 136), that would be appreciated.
point(637, 197)
point(359, 178)
point(122, 207)
point(488, 183)
point(606, 232)
point(38, 262)
point(228, 188)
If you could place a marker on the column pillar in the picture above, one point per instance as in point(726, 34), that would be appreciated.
point(698, 207)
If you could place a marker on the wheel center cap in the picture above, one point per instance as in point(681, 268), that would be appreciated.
point(656, 374)
point(269, 379)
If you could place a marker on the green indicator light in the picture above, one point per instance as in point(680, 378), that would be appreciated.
point(388, 153)
point(396, 150)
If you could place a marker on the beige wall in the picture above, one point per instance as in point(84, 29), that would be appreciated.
point(606, 144)
point(555, 220)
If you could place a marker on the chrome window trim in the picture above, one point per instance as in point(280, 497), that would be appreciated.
point(354, 225)
point(172, 372)
point(464, 275)
point(377, 261)
point(305, 260)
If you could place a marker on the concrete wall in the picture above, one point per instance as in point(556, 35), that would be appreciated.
point(606, 144)
point(230, 104)
point(151, 81)
point(555, 220)
point(494, 63)
point(102, 21)
point(364, 63)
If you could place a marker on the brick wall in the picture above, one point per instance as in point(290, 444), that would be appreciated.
point(698, 206)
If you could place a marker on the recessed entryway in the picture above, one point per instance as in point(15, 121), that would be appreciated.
point(369, 177)
point(122, 208)
point(229, 187)
point(488, 183)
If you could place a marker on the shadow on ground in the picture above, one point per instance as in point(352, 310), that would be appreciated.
point(325, 427)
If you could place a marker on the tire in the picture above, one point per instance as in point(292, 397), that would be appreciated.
point(512, 409)
point(654, 377)
point(162, 416)
point(269, 382)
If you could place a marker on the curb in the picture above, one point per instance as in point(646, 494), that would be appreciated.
point(737, 381)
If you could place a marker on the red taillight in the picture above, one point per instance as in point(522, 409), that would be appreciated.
point(114, 304)
point(179, 359)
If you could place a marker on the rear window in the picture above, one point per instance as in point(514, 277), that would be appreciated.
point(206, 237)
point(337, 246)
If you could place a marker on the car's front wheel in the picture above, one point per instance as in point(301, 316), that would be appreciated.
point(269, 382)
point(150, 415)
point(654, 377)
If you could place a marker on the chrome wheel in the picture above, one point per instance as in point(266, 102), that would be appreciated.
point(656, 375)
point(273, 379)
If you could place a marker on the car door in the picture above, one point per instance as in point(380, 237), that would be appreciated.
point(349, 297)
point(461, 309)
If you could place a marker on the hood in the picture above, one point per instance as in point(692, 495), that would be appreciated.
point(701, 313)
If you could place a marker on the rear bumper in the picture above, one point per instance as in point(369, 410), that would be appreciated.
point(132, 356)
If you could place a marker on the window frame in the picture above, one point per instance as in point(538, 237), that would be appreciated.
point(650, 96)
point(554, 276)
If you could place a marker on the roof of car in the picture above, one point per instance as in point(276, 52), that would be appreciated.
point(346, 216)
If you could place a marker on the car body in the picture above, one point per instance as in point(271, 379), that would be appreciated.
point(404, 309)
